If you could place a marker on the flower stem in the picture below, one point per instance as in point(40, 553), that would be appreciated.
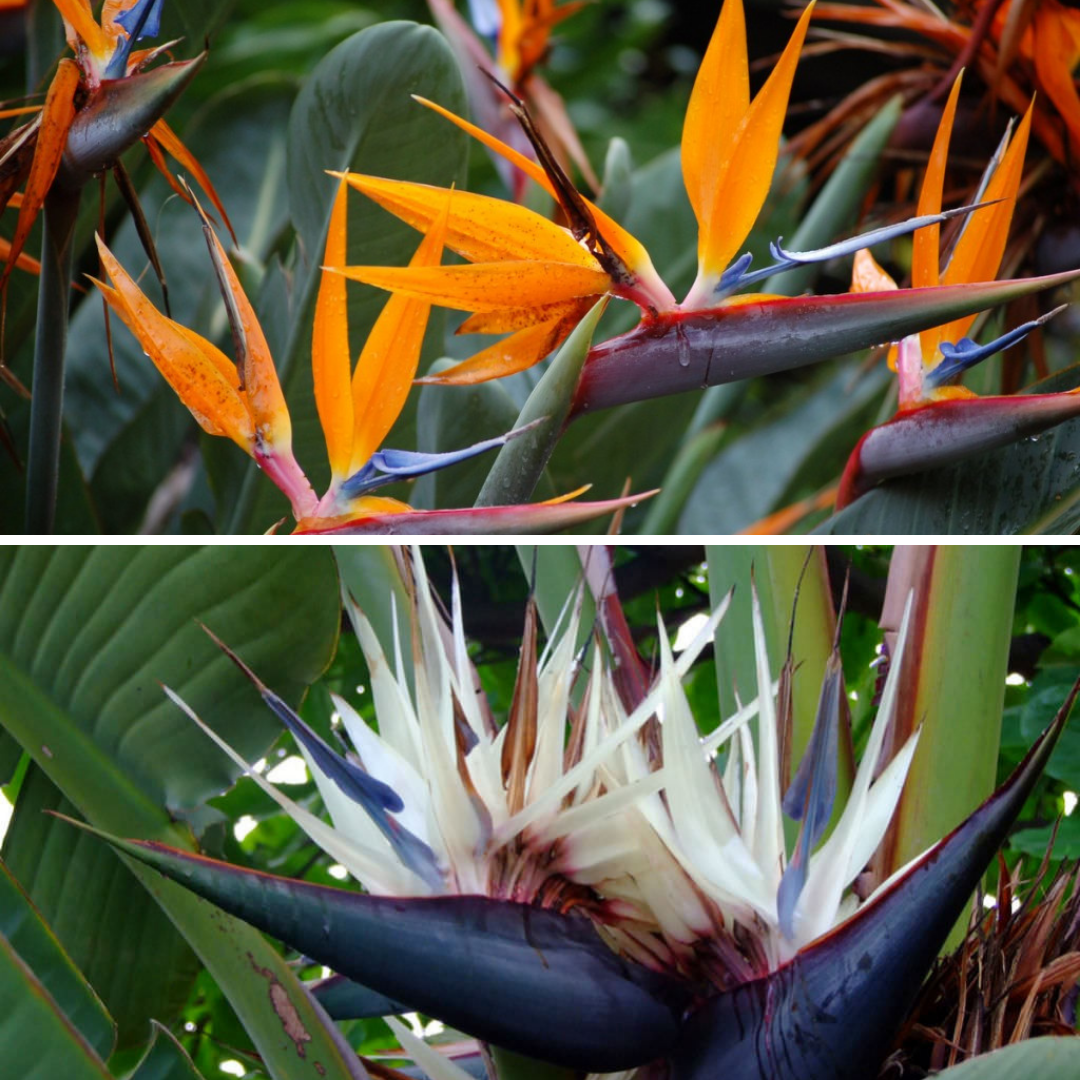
point(46, 410)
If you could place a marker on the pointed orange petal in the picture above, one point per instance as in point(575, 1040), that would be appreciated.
point(363, 507)
point(745, 164)
point(261, 384)
point(978, 251)
point(1056, 53)
point(486, 286)
point(624, 244)
point(80, 19)
point(170, 142)
point(926, 243)
point(507, 357)
point(507, 320)
point(23, 262)
point(568, 497)
point(331, 358)
point(183, 358)
point(868, 276)
point(718, 103)
point(21, 111)
point(481, 228)
point(388, 362)
point(56, 117)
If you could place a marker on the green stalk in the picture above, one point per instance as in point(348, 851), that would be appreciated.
point(46, 410)
point(955, 689)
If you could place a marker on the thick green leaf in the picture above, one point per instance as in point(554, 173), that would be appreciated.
point(165, 1059)
point(100, 628)
point(88, 897)
point(1048, 1058)
point(690, 461)
point(954, 690)
point(85, 705)
point(38, 1040)
point(31, 937)
point(517, 469)
point(784, 456)
point(355, 112)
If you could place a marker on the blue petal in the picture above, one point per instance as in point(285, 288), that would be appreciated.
point(966, 353)
point(387, 466)
point(373, 795)
point(812, 792)
point(486, 18)
point(868, 239)
point(735, 276)
point(142, 20)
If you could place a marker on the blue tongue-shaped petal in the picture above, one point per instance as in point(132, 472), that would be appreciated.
point(832, 1012)
point(389, 466)
point(379, 800)
point(141, 20)
point(529, 979)
point(810, 797)
point(966, 353)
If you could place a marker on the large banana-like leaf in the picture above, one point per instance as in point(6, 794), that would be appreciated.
point(30, 938)
point(83, 635)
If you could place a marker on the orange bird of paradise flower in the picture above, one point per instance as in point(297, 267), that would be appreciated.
point(532, 280)
point(939, 421)
point(244, 401)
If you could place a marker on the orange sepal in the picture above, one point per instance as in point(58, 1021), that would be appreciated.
point(926, 243)
point(261, 384)
point(515, 353)
point(486, 286)
point(507, 320)
point(1056, 49)
point(624, 244)
point(391, 354)
point(185, 360)
point(718, 103)
point(331, 356)
point(80, 19)
point(979, 249)
point(744, 166)
point(364, 507)
point(21, 111)
point(570, 495)
point(867, 275)
point(170, 142)
point(783, 520)
point(56, 117)
point(23, 262)
point(480, 228)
